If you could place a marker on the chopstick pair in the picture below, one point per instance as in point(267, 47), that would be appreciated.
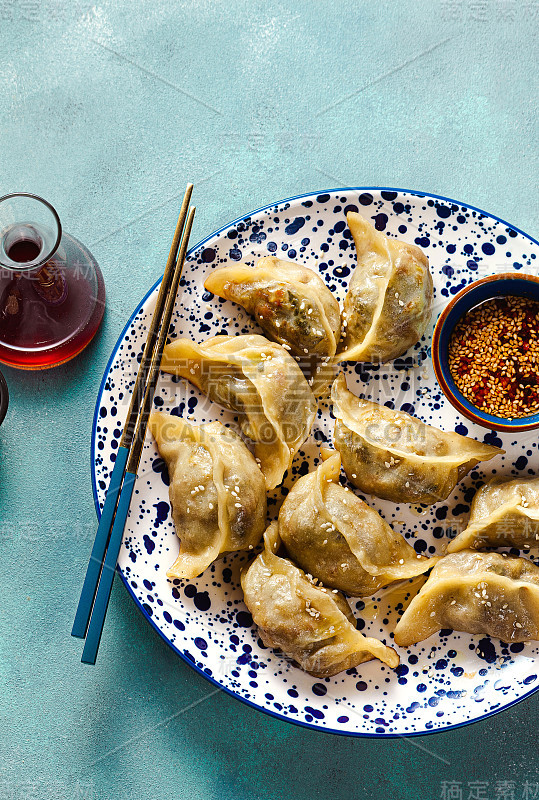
point(95, 594)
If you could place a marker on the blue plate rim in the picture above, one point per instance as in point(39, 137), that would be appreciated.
point(269, 712)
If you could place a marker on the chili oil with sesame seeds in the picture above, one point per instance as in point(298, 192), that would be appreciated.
point(494, 356)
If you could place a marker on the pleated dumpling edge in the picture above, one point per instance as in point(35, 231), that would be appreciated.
point(389, 301)
point(259, 380)
point(504, 513)
point(311, 625)
point(335, 536)
point(289, 301)
point(217, 492)
point(395, 456)
point(474, 592)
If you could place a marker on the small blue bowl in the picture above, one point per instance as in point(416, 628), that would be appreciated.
point(503, 285)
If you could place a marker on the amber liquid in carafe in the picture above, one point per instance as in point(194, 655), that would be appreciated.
point(49, 314)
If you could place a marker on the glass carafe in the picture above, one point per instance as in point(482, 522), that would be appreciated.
point(52, 293)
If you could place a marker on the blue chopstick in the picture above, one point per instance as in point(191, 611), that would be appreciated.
point(97, 619)
point(93, 637)
point(89, 587)
point(93, 572)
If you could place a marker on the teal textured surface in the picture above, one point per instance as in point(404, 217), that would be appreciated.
point(107, 111)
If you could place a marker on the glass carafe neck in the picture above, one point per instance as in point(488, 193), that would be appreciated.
point(30, 232)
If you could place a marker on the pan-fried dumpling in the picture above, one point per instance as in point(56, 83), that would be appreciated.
point(309, 623)
point(291, 303)
point(259, 379)
point(395, 456)
point(476, 593)
point(389, 300)
point(217, 491)
point(504, 513)
point(335, 536)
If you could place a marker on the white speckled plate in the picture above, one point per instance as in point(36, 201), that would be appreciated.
point(445, 681)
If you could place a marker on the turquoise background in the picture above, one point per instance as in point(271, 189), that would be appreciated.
point(107, 110)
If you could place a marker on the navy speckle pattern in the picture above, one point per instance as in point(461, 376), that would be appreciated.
point(450, 678)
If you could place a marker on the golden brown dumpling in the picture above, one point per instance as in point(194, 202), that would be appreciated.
point(309, 623)
point(290, 302)
point(397, 457)
point(389, 301)
point(504, 513)
point(476, 593)
point(335, 536)
point(217, 491)
point(258, 379)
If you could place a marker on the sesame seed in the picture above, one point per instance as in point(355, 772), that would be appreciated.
point(494, 357)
